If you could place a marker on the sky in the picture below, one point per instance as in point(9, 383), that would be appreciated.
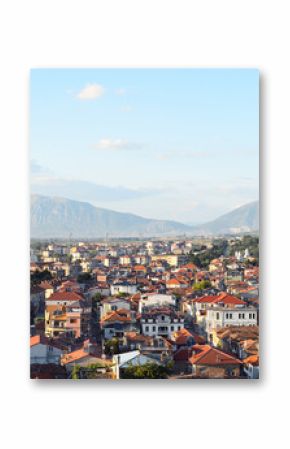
point(176, 144)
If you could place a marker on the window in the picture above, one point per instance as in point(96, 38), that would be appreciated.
point(231, 315)
point(153, 328)
point(179, 327)
point(254, 316)
point(227, 315)
point(146, 328)
point(172, 328)
point(217, 316)
point(240, 316)
point(250, 316)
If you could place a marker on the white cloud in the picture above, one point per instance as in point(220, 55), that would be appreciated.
point(116, 144)
point(91, 91)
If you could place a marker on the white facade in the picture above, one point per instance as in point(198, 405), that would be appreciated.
point(217, 317)
point(163, 325)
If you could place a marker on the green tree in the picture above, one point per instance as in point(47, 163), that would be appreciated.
point(38, 276)
point(147, 371)
point(201, 285)
point(76, 372)
point(88, 372)
point(112, 346)
point(122, 294)
point(84, 277)
point(96, 300)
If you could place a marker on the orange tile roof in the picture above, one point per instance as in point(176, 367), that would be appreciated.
point(73, 356)
point(222, 297)
point(65, 296)
point(210, 356)
point(139, 268)
point(252, 360)
point(116, 316)
point(35, 340)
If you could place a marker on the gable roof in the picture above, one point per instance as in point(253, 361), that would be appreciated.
point(223, 297)
point(65, 296)
point(210, 356)
point(118, 315)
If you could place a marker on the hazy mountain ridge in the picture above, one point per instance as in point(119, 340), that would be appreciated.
point(242, 219)
point(54, 217)
point(58, 217)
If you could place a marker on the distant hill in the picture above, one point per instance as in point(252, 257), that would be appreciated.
point(242, 219)
point(53, 217)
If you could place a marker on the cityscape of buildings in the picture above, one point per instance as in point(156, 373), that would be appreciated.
point(184, 308)
point(144, 223)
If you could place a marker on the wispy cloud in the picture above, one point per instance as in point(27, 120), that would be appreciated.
point(38, 170)
point(90, 92)
point(116, 145)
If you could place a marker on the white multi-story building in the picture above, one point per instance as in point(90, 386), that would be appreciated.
point(221, 317)
point(161, 323)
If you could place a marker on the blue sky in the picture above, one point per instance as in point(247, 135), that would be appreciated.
point(179, 144)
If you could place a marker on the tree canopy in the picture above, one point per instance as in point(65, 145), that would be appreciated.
point(147, 371)
point(84, 277)
point(38, 276)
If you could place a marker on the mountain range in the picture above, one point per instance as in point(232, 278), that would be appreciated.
point(55, 217)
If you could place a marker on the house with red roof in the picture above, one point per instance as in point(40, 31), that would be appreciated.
point(176, 283)
point(83, 358)
point(209, 362)
point(117, 322)
point(67, 312)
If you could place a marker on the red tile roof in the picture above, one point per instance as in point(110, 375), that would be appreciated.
point(223, 297)
point(252, 360)
point(35, 340)
point(210, 356)
point(65, 296)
